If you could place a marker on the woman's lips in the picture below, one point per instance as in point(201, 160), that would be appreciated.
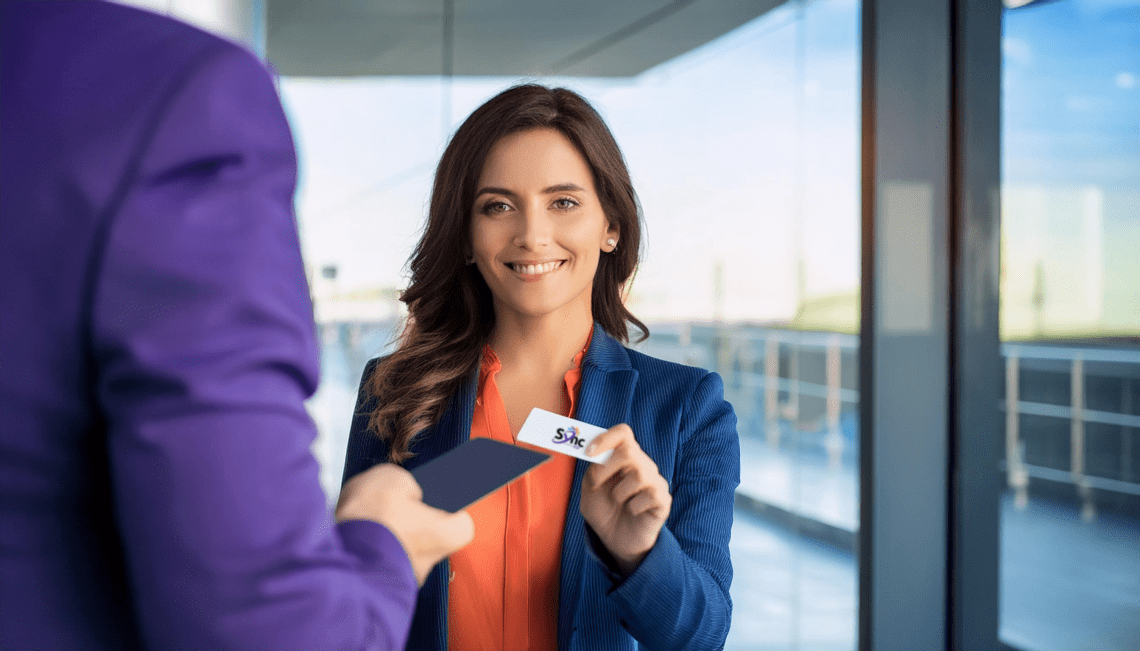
point(532, 272)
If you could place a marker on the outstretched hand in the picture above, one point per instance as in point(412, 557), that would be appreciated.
point(389, 494)
point(624, 500)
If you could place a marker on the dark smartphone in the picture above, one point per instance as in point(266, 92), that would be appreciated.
point(472, 471)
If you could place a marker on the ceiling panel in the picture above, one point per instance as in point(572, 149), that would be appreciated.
point(347, 38)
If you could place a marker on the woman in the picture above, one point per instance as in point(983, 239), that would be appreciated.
point(515, 302)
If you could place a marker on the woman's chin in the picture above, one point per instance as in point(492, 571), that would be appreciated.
point(535, 309)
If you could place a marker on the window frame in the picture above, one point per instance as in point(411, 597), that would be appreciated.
point(929, 351)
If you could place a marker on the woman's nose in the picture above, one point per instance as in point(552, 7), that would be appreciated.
point(535, 228)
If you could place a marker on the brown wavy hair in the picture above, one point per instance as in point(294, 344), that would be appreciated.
point(450, 314)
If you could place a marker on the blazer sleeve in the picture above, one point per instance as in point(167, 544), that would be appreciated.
point(678, 598)
point(203, 352)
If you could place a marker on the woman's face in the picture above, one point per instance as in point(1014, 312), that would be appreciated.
point(537, 225)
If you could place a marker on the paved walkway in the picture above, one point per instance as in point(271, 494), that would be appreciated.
point(788, 593)
point(1066, 585)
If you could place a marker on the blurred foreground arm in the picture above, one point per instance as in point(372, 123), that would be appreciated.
point(204, 351)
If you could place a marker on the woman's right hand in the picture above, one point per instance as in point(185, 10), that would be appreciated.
point(389, 495)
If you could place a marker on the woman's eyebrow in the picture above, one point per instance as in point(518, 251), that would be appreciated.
point(490, 190)
point(562, 187)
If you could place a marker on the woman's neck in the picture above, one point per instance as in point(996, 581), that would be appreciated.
point(545, 344)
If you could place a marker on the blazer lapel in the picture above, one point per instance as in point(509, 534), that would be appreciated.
point(604, 399)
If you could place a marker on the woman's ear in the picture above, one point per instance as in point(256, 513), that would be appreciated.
point(611, 239)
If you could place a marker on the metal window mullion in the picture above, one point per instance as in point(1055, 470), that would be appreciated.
point(905, 362)
point(975, 439)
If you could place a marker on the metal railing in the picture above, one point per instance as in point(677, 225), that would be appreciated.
point(1019, 472)
point(737, 353)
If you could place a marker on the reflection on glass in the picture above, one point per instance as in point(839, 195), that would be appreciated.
point(745, 155)
point(1070, 323)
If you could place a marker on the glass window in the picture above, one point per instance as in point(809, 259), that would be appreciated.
point(744, 150)
point(1070, 325)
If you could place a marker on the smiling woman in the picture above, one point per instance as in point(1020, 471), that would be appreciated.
point(515, 303)
point(530, 139)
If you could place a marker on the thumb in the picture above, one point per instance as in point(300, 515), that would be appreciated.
point(395, 479)
point(464, 526)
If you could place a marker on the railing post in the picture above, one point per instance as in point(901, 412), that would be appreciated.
point(1126, 432)
point(772, 390)
point(1016, 474)
point(745, 394)
point(1077, 442)
point(725, 352)
point(833, 440)
point(686, 341)
point(791, 409)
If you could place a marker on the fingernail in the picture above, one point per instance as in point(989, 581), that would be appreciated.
point(591, 450)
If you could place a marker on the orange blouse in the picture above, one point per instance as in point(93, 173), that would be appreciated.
point(503, 589)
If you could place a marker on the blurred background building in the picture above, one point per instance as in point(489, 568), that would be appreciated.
point(745, 124)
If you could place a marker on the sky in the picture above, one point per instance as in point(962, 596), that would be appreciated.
point(1071, 169)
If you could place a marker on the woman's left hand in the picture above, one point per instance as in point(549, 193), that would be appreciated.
point(625, 500)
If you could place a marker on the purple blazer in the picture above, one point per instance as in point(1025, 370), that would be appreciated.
point(156, 344)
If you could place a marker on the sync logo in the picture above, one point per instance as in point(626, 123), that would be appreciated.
point(568, 436)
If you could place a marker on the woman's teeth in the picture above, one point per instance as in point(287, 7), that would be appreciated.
point(536, 269)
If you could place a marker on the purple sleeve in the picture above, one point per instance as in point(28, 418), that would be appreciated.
point(203, 352)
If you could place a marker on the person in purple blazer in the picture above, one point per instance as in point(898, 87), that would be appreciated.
point(156, 344)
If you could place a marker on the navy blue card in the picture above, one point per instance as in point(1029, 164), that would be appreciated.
point(472, 471)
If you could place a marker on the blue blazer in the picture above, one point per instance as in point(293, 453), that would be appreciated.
point(678, 598)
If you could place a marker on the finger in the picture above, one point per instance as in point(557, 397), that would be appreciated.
point(610, 439)
point(615, 466)
point(641, 503)
point(659, 491)
point(630, 484)
point(595, 478)
point(649, 502)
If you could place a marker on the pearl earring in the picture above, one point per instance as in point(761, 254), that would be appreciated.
point(611, 242)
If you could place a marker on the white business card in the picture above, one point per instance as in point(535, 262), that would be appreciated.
point(558, 433)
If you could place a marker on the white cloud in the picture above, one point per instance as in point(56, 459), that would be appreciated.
point(1125, 80)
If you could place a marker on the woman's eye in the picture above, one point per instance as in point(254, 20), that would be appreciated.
point(565, 204)
point(492, 207)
